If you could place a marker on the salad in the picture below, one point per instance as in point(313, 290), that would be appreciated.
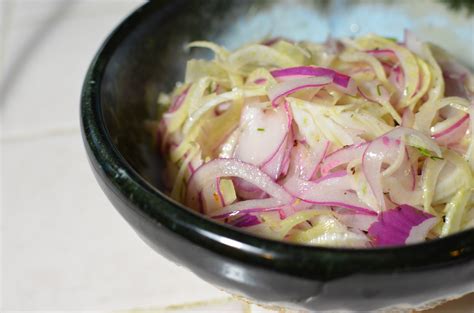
point(362, 142)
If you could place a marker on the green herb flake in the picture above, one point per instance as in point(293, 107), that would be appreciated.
point(212, 87)
point(378, 89)
point(261, 129)
point(428, 154)
point(393, 39)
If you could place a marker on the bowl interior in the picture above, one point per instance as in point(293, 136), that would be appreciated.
point(152, 58)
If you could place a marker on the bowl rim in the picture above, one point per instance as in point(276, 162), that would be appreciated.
point(301, 260)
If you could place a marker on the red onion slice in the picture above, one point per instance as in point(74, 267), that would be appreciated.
point(263, 140)
point(302, 71)
point(271, 41)
point(357, 221)
point(330, 191)
point(382, 52)
point(342, 156)
point(278, 91)
point(262, 133)
point(453, 133)
point(416, 138)
point(419, 232)
point(274, 165)
point(260, 81)
point(304, 162)
point(292, 79)
point(377, 152)
point(384, 149)
point(247, 191)
point(178, 101)
point(249, 206)
point(285, 165)
point(247, 220)
point(402, 225)
point(408, 118)
point(208, 172)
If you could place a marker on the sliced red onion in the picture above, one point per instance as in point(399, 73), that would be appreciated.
point(402, 188)
point(397, 78)
point(250, 206)
point(378, 94)
point(305, 163)
point(342, 156)
point(212, 198)
point(246, 220)
point(334, 191)
point(272, 41)
point(402, 225)
point(340, 80)
point(246, 190)
point(419, 232)
point(453, 133)
point(289, 116)
point(263, 132)
point(408, 118)
point(278, 91)
point(274, 165)
point(191, 168)
point(400, 161)
point(221, 108)
point(413, 135)
point(382, 52)
point(384, 149)
point(330, 176)
point(262, 142)
point(381, 150)
point(260, 81)
point(205, 175)
point(357, 221)
point(285, 165)
point(195, 163)
point(308, 71)
point(318, 153)
point(387, 67)
point(178, 101)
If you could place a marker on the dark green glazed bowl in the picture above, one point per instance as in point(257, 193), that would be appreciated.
point(144, 55)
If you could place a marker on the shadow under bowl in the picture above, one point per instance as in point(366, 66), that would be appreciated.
point(144, 56)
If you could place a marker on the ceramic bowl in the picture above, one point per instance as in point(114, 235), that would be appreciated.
point(144, 55)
